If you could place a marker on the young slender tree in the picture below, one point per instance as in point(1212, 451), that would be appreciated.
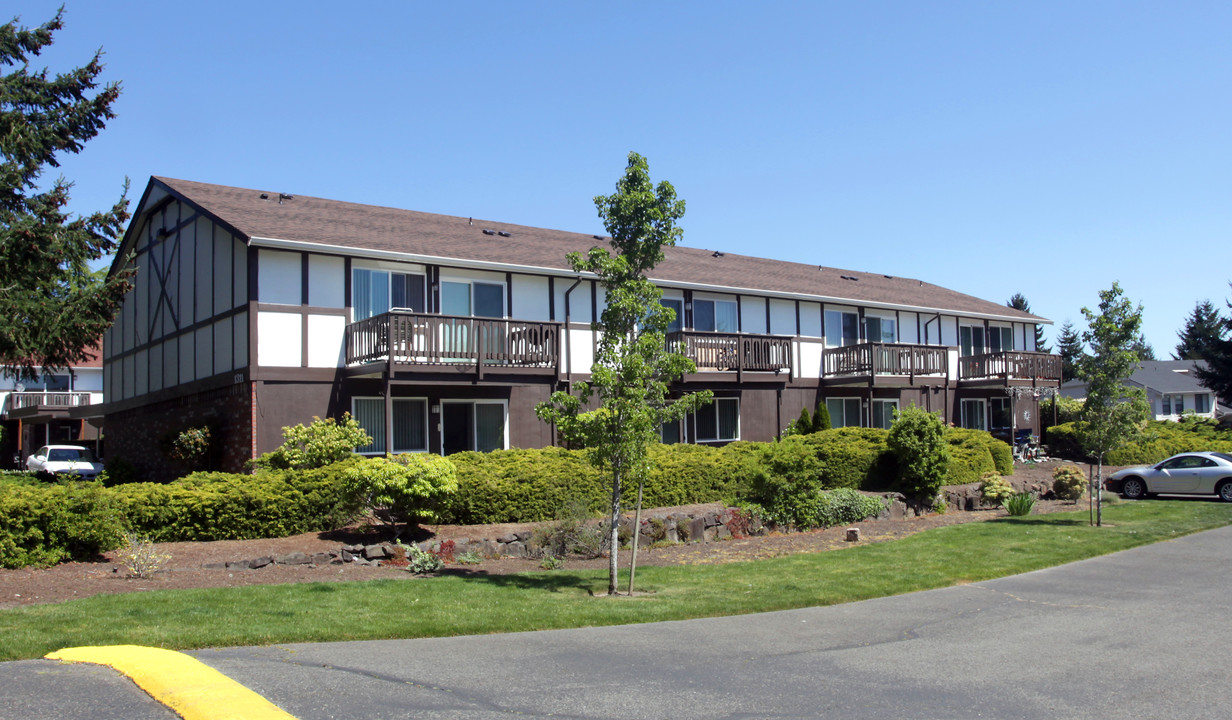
point(1018, 301)
point(1114, 412)
point(53, 309)
point(1069, 345)
point(1203, 330)
point(633, 366)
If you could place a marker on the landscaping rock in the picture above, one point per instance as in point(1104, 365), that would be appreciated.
point(507, 538)
point(514, 549)
point(697, 529)
point(295, 558)
point(238, 565)
point(260, 562)
point(376, 552)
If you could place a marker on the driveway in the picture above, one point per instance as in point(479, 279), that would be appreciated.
point(1142, 633)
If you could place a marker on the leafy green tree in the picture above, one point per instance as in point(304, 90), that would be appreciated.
point(1203, 330)
point(633, 366)
point(1018, 301)
point(316, 445)
point(1069, 344)
point(1142, 348)
point(917, 438)
point(1216, 375)
point(53, 309)
point(403, 488)
point(1114, 412)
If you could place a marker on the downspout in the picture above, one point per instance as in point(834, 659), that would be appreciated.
point(567, 348)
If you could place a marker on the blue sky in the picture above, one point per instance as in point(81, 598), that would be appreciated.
point(1046, 148)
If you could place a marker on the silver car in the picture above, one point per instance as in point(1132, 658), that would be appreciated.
point(65, 460)
point(1192, 473)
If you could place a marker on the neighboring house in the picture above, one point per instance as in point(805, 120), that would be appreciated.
point(255, 310)
point(1171, 389)
point(56, 408)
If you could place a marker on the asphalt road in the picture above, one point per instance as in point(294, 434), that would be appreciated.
point(1140, 634)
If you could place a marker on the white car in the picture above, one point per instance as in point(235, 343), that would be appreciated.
point(1192, 473)
point(65, 460)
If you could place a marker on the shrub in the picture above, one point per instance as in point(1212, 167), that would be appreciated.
point(421, 561)
point(575, 532)
point(917, 439)
point(856, 458)
point(191, 446)
point(1020, 504)
point(141, 557)
point(1068, 483)
point(407, 488)
point(995, 489)
point(821, 418)
point(42, 525)
point(972, 455)
point(844, 505)
point(1068, 410)
point(322, 443)
point(802, 425)
point(787, 483)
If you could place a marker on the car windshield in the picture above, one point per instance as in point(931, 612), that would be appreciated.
point(70, 455)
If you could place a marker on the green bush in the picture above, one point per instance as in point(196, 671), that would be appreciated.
point(1068, 482)
point(409, 488)
point(995, 489)
point(1020, 504)
point(43, 524)
point(918, 440)
point(844, 506)
point(1067, 411)
point(321, 443)
point(821, 418)
point(972, 455)
point(853, 457)
point(1159, 440)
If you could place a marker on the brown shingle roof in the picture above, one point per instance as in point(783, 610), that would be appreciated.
point(305, 219)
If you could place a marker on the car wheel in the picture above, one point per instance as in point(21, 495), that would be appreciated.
point(1133, 488)
point(1225, 490)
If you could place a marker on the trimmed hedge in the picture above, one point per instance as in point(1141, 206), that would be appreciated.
point(1159, 440)
point(853, 457)
point(973, 453)
point(42, 524)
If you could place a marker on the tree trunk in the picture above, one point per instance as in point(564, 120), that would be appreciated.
point(637, 531)
point(1099, 490)
point(614, 542)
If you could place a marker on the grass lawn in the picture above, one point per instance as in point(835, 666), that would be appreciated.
point(319, 612)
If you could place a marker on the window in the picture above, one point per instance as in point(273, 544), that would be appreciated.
point(883, 413)
point(974, 415)
point(410, 424)
point(842, 328)
point(376, 291)
point(478, 425)
point(844, 412)
point(971, 340)
point(715, 316)
point(1202, 403)
point(1172, 405)
point(879, 329)
point(677, 305)
point(478, 299)
point(1002, 414)
point(669, 433)
point(1000, 339)
point(720, 420)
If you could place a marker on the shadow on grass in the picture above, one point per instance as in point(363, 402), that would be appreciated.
point(549, 581)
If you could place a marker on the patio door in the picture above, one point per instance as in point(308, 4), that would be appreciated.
point(472, 426)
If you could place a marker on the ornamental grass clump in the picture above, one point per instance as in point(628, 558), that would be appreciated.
point(1020, 504)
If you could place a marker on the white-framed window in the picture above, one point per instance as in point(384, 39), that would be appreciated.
point(377, 291)
point(971, 340)
point(974, 414)
point(880, 329)
point(844, 412)
point(410, 424)
point(472, 298)
point(883, 413)
point(1173, 404)
point(842, 328)
point(479, 425)
point(719, 421)
point(1002, 413)
point(1000, 339)
point(715, 316)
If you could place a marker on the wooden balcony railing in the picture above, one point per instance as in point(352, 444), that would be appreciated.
point(870, 359)
point(739, 352)
point(1010, 365)
point(423, 339)
point(18, 400)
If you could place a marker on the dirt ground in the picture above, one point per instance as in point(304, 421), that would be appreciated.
point(186, 566)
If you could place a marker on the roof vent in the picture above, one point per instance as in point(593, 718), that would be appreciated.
point(489, 231)
point(597, 237)
point(284, 196)
point(265, 196)
point(889, 277)
point(716, 253)
point(849, 277)
point(504, 233)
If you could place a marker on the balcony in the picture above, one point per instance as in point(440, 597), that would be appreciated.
point(739, 352)
point(873, 361)
point(437, 341)
point(53, 399)
point(1011, 367)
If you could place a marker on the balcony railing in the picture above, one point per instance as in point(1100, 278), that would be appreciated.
point(1010, 365)
point(739, 352)
point(19, 400)
point(871, 359)
point(422, 339)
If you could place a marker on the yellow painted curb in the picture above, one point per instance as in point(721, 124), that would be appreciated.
point(191, 688)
